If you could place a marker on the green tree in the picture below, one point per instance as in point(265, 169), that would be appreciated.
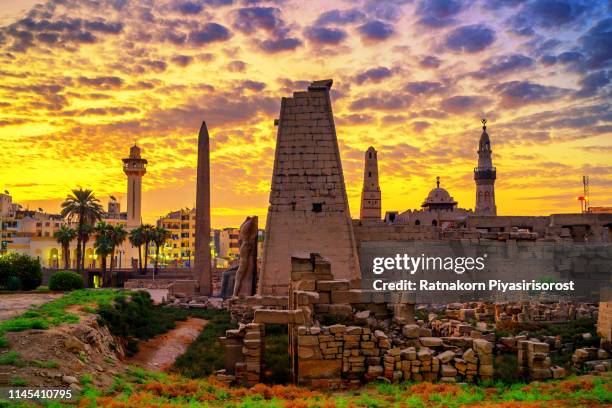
point(148, 234)
point(104, 246)
point(160, 236)
point(83, 206)
point(87, 230)
point(64, 237)
point(136, 238)
point(118, 235)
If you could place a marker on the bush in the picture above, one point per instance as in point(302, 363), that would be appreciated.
point(24, 267)
point(14, 283)
point(137, 317)
point(65, 281)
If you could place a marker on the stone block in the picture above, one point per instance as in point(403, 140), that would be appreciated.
point(411, 331)
point(446, 356)
point(408, 353)
point(317, 369)
point(424, 354)
point(482, 346)
point(431, 341)
point(448, 370)
point(271, 316)
point(470, 356)
point(485, 369)
point(333, 285)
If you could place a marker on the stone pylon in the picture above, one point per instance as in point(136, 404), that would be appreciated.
point(308, 210)
point(202, 259)
point(370, 194)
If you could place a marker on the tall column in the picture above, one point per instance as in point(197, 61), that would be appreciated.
point(134, 167)
point(484, 176)
point(202, 260)
point(370, 194)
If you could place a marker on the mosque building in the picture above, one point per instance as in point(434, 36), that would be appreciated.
point(31, 232)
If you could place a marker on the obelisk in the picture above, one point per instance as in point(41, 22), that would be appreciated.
point(202, 261)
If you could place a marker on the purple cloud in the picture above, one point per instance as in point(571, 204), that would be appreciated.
point(386, 101)
point(373, 75)
point(423, 87)
point(596, 44)
point(375, 31)
point(438, 13)
point(504, 64)
point(248, 20)
point(324, 35)
point(519, 93)
point(340, 17)
point(189, 7)
point(279, 45)
point(470, 39)
point(430, 61)
point(211, 32)
point(464, 104)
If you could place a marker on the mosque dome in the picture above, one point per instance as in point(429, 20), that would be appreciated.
point(439, 198)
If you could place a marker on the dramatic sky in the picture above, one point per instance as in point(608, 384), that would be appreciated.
point(82, 80)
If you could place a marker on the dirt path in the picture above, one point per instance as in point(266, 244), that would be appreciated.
point(160, 352)
point(12, 305)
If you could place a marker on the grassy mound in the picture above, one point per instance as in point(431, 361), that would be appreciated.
point(54, 313)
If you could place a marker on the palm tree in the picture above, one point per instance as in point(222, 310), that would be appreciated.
point(104, 247)
point(160, 236)
point(86, 232)
point(83, 206)
point(118, 234)
point(136, 238)
point(64, 237)
point(148, 233)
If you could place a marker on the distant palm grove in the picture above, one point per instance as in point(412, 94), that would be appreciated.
point(84, 209)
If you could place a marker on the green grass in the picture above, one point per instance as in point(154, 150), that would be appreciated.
point(19, 382)
point(54, 312)
point(138, 318)
point(45, 363)
point(206, 354)
point(12, 358)
point(276, 358)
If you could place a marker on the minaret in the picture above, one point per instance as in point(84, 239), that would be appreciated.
point(202, 260)
point(134, 167)
point(485, 175)
point(370, 195)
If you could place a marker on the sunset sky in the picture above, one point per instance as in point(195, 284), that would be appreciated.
point(82, 80)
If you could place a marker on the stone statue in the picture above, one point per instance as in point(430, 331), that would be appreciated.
point(246, 274)
point(227, 282)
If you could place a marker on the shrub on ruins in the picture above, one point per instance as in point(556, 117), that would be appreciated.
point(65, 281)
point(276, 358)
point(206, 354)
point(23, 267)
point(136, 318)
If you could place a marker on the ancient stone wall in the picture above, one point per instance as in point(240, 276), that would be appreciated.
point(244, 353)
point(308, 209)
point(587, 264)
point(604, 321)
